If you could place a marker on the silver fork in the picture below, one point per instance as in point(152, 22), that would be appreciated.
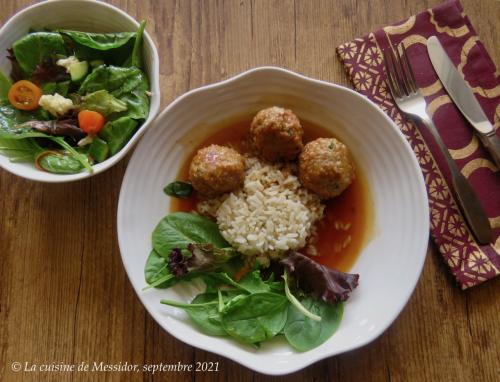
point(409, 99)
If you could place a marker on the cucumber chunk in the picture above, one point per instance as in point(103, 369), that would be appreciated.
point(96, 63)
point(78, 70)
point(99, 150)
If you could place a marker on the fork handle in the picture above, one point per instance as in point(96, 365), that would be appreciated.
point(464, 194)
point(492, 143)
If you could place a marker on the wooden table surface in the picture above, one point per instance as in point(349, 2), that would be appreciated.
point(64, 295)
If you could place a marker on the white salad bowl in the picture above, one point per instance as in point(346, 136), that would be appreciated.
point(89, 16)
point(390, 263)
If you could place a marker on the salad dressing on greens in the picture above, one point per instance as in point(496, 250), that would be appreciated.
point(346, 226)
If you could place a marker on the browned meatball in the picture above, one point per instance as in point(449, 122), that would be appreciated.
point(276, 134)
point(216, 170)
point(326, 167)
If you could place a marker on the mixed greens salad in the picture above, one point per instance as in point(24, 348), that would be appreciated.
point(73, 98)
point(296, 297)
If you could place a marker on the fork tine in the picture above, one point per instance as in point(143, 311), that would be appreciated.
point(390, 72)
point(404, 78)
point(411, 76)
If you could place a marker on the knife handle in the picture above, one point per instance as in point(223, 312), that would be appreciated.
point(492, 144)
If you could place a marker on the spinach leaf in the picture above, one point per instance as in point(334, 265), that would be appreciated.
point(178, 189)
point(59, 163)
point(58, 140)
point(99, 41)
point(127, 84)
point(60, 88)
point(5, 84)
point(179, 229)
point(117, 133)
point(156, 269)
point(204, 313)
point(253, 283)
point(33, 48)
point(20, 150)
point(304, 333)
point(10, 117)
point(103, 102)
point(255, 317)
point(137, 59)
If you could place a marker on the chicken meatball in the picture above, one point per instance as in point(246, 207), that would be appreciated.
point(216, 170)
point(326, 167)
point(276, 134)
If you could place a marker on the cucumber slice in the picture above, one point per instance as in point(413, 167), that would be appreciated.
point(78, 70)
point(96, 63)
point(99, 149)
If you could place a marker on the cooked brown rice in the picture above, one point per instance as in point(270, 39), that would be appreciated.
point(271, 214)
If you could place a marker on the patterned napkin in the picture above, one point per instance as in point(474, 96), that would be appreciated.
point(470, 263)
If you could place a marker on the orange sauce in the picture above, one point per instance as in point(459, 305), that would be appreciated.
point(346, 225)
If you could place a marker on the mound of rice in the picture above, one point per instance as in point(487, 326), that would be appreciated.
point(271, 214)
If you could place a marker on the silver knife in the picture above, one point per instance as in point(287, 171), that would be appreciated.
point(463, 97)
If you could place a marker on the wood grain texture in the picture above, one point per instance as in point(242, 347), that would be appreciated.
point(64, 295)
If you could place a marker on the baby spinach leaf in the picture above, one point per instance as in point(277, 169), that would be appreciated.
point(99, 41)
point(117, 133)
point(253, 283)
point(137, 59)
point(10, 117)
point(304, 333)
point(59, 163)
point(178, 189)
point(127, 84)
point(33, 48)
point(60, 88)
point(5, 84)
point(255, 317)
point(20, 150)
point(103, 102)
point(156, 269)
point(58, 140)
point(179, 229)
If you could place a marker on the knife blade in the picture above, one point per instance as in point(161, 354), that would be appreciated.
point(461, 93)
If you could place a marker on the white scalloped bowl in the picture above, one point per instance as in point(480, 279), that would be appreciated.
point(85, 15)
point(389, 265)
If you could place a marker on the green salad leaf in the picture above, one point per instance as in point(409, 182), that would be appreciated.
point(118, 132)
point(61, 88)
point(22, 135)
point(99, 41)
point(179, 229)
point(5, 84)
point(59, 163)
point(157, 269)
point(127, 84)
point(255, 317)
point(33, 48)
point(137, 56)
point(304, 333)
point(103, 102)
point(179, 189)
point(20, 150)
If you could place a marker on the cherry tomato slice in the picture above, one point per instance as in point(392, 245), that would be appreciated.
point(24, 95)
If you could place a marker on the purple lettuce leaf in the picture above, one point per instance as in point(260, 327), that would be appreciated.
point(16, 73)
point(322, 282)
point(49, 71)
point(201, 258)
point(64, 127)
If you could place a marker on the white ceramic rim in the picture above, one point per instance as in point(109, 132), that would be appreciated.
point(154, 79)
point(424, 231)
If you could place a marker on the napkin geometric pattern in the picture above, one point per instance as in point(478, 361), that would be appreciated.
point(470, 263)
